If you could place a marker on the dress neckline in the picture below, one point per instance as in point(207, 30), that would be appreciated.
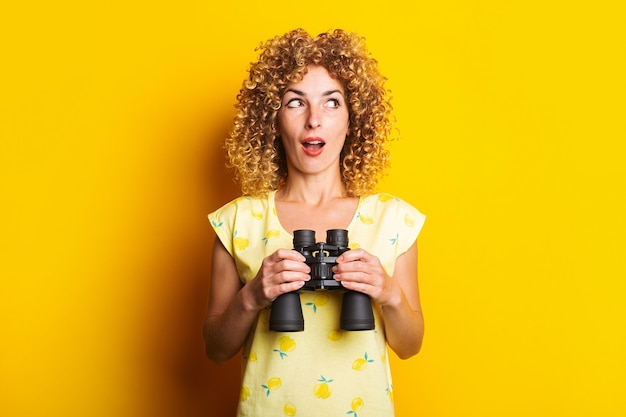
point(272, 206)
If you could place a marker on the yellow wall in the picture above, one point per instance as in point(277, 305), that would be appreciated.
point(512, 124)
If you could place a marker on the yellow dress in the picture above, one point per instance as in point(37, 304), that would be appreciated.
point(323, 370)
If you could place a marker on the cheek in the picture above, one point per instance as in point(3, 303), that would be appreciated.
point(346, 129)
point(347, 123)
point(284, 124)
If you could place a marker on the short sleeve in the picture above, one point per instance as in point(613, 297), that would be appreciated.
point(223, 222)
point(410, 222)
point(387, 227)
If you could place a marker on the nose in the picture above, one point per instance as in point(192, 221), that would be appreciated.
point(313, 120)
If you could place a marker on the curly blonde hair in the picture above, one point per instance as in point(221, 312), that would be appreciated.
point(253, 147)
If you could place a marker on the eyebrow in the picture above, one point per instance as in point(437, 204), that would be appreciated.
point(301, 93)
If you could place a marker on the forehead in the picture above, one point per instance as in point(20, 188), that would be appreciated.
point(317, 79)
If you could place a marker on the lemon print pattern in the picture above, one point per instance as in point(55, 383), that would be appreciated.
point(285, 344)
point(319, 301)
point(355, 406)
point(289, 409)
point(272, 385)
point(360, 364)
point(322, 389)
point(256, 214)
point(245, 392)
point(390, 392)
point(365, 219)
point(394, 240)
point(334, 335)
point(241, 243)
point(271, 234)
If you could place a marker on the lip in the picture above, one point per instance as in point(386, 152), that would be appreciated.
point(313, 146)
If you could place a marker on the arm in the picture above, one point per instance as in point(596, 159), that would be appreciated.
point(234, 307)
point(398, 296)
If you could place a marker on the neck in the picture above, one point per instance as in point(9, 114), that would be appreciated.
point(311, 191)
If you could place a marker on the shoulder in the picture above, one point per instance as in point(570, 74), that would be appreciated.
point(238, 211)
point(387, 202)
point(239, 221)
point(239, 204)
point(390, 208)
point(388, 225)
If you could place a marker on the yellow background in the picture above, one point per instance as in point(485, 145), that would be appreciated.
point(512, 124)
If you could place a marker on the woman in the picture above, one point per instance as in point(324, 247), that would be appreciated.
point(308, 147)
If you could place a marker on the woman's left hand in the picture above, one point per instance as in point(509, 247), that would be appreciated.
point(359, 270)
point(398, 295)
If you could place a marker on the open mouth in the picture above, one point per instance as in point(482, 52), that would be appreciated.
point(313, 144)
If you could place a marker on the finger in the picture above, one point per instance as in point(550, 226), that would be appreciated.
point(284, 259)
point(283, 282)
point(352, 255)
point(283, 288)
point(353, 266)
point(290, 286)
point(291, 265)
point(358, 286)
point(290, 254)
point(354, 277)
point(290, 276)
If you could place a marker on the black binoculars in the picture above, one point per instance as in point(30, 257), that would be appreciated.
point(356, 307)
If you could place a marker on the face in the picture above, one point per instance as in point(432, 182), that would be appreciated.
point(313, 122)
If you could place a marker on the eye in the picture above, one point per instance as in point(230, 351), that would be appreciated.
point(333, 103)
point(294, 103)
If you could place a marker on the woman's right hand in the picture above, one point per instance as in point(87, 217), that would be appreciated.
point(281, 272)
point(233, 309)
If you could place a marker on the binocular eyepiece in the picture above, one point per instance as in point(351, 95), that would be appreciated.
point(356, 307)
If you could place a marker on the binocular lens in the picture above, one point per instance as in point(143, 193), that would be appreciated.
point(303, 238)
point(337, 237)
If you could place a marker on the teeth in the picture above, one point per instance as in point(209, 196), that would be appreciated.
point(314, 142)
